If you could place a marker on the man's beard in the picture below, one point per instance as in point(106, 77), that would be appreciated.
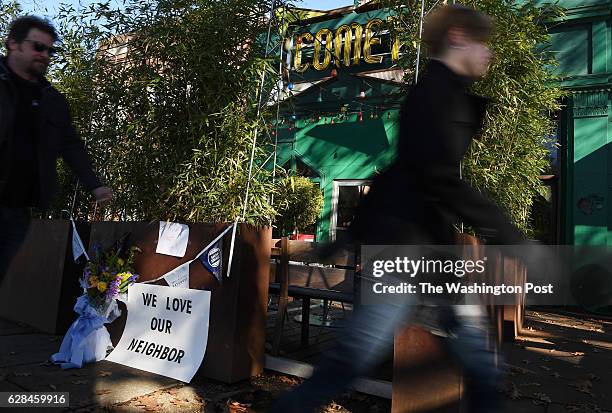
point(38, 69)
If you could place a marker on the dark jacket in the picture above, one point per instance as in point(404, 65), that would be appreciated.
point(57, 138)
point(438, 121)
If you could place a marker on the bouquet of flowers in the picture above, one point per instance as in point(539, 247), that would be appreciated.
point(105, 279)
point(108, 276)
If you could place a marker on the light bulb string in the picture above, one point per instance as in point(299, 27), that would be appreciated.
point(340, 99)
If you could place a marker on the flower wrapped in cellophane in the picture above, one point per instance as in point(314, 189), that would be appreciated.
point(106, 279)
point(108, 276)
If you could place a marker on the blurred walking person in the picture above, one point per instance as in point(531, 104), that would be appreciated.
point(417, 201)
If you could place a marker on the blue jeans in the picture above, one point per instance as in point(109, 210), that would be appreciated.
point(369, 336)
point(14, 224)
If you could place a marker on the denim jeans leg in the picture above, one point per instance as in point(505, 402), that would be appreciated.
point(470, 346)
point(362, 344)
point(14, 224)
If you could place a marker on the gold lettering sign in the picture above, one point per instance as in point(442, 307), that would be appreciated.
point(358, 33)
point(299, 67)
point(396, 44)
point(316, 61)
point(347, 45)
point(338, 43)
point(370, 41)
point(395, 50)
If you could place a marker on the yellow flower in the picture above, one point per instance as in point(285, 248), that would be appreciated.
point(120, 262)
point(101, 286)
point(93, 281)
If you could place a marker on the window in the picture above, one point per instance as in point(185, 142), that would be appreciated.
point(347, 196)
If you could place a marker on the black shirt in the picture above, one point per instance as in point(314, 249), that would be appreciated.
point(22, 186)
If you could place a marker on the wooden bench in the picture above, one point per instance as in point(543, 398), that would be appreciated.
point(296, 270)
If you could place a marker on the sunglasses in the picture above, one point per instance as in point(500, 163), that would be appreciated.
point(41, 47)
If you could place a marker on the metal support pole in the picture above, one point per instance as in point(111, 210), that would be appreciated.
point(418, 59)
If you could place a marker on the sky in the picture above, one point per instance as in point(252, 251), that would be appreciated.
point(49, 7)
point(324, 4)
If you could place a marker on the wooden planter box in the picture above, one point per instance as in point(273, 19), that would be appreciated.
point(236, 338)
point(42, 283)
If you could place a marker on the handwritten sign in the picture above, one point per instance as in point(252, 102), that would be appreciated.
point(173, 239)
point(166, 331)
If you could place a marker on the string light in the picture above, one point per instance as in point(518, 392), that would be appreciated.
point(344, 108)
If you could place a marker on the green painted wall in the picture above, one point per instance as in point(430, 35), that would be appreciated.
point(349, 149)
point(581, 42)
point(590, 163)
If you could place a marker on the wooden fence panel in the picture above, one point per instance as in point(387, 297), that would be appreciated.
point(42, 282)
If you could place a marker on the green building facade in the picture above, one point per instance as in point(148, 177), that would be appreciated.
point(581, 41)
point(339, 119)
point(339, 123)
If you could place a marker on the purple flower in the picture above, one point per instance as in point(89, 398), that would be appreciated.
point(113, 289)
point(112, 292)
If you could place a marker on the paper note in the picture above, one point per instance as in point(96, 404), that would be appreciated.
point(173, 239)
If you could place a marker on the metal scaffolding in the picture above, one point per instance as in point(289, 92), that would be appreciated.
point(270, 87)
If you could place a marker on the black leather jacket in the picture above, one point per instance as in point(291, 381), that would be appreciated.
point(57, 138)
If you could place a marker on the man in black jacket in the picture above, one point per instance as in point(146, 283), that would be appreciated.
point(35, 129)
point(417, 201)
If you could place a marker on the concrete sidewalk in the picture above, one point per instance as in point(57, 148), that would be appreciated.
point(561, 363)
point(106, 386)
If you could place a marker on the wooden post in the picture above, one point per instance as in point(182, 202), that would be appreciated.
point(306, 321)
point(283, 296)
point(425, 377)
point(515, 273)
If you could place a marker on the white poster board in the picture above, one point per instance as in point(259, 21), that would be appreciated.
point(166, 331)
